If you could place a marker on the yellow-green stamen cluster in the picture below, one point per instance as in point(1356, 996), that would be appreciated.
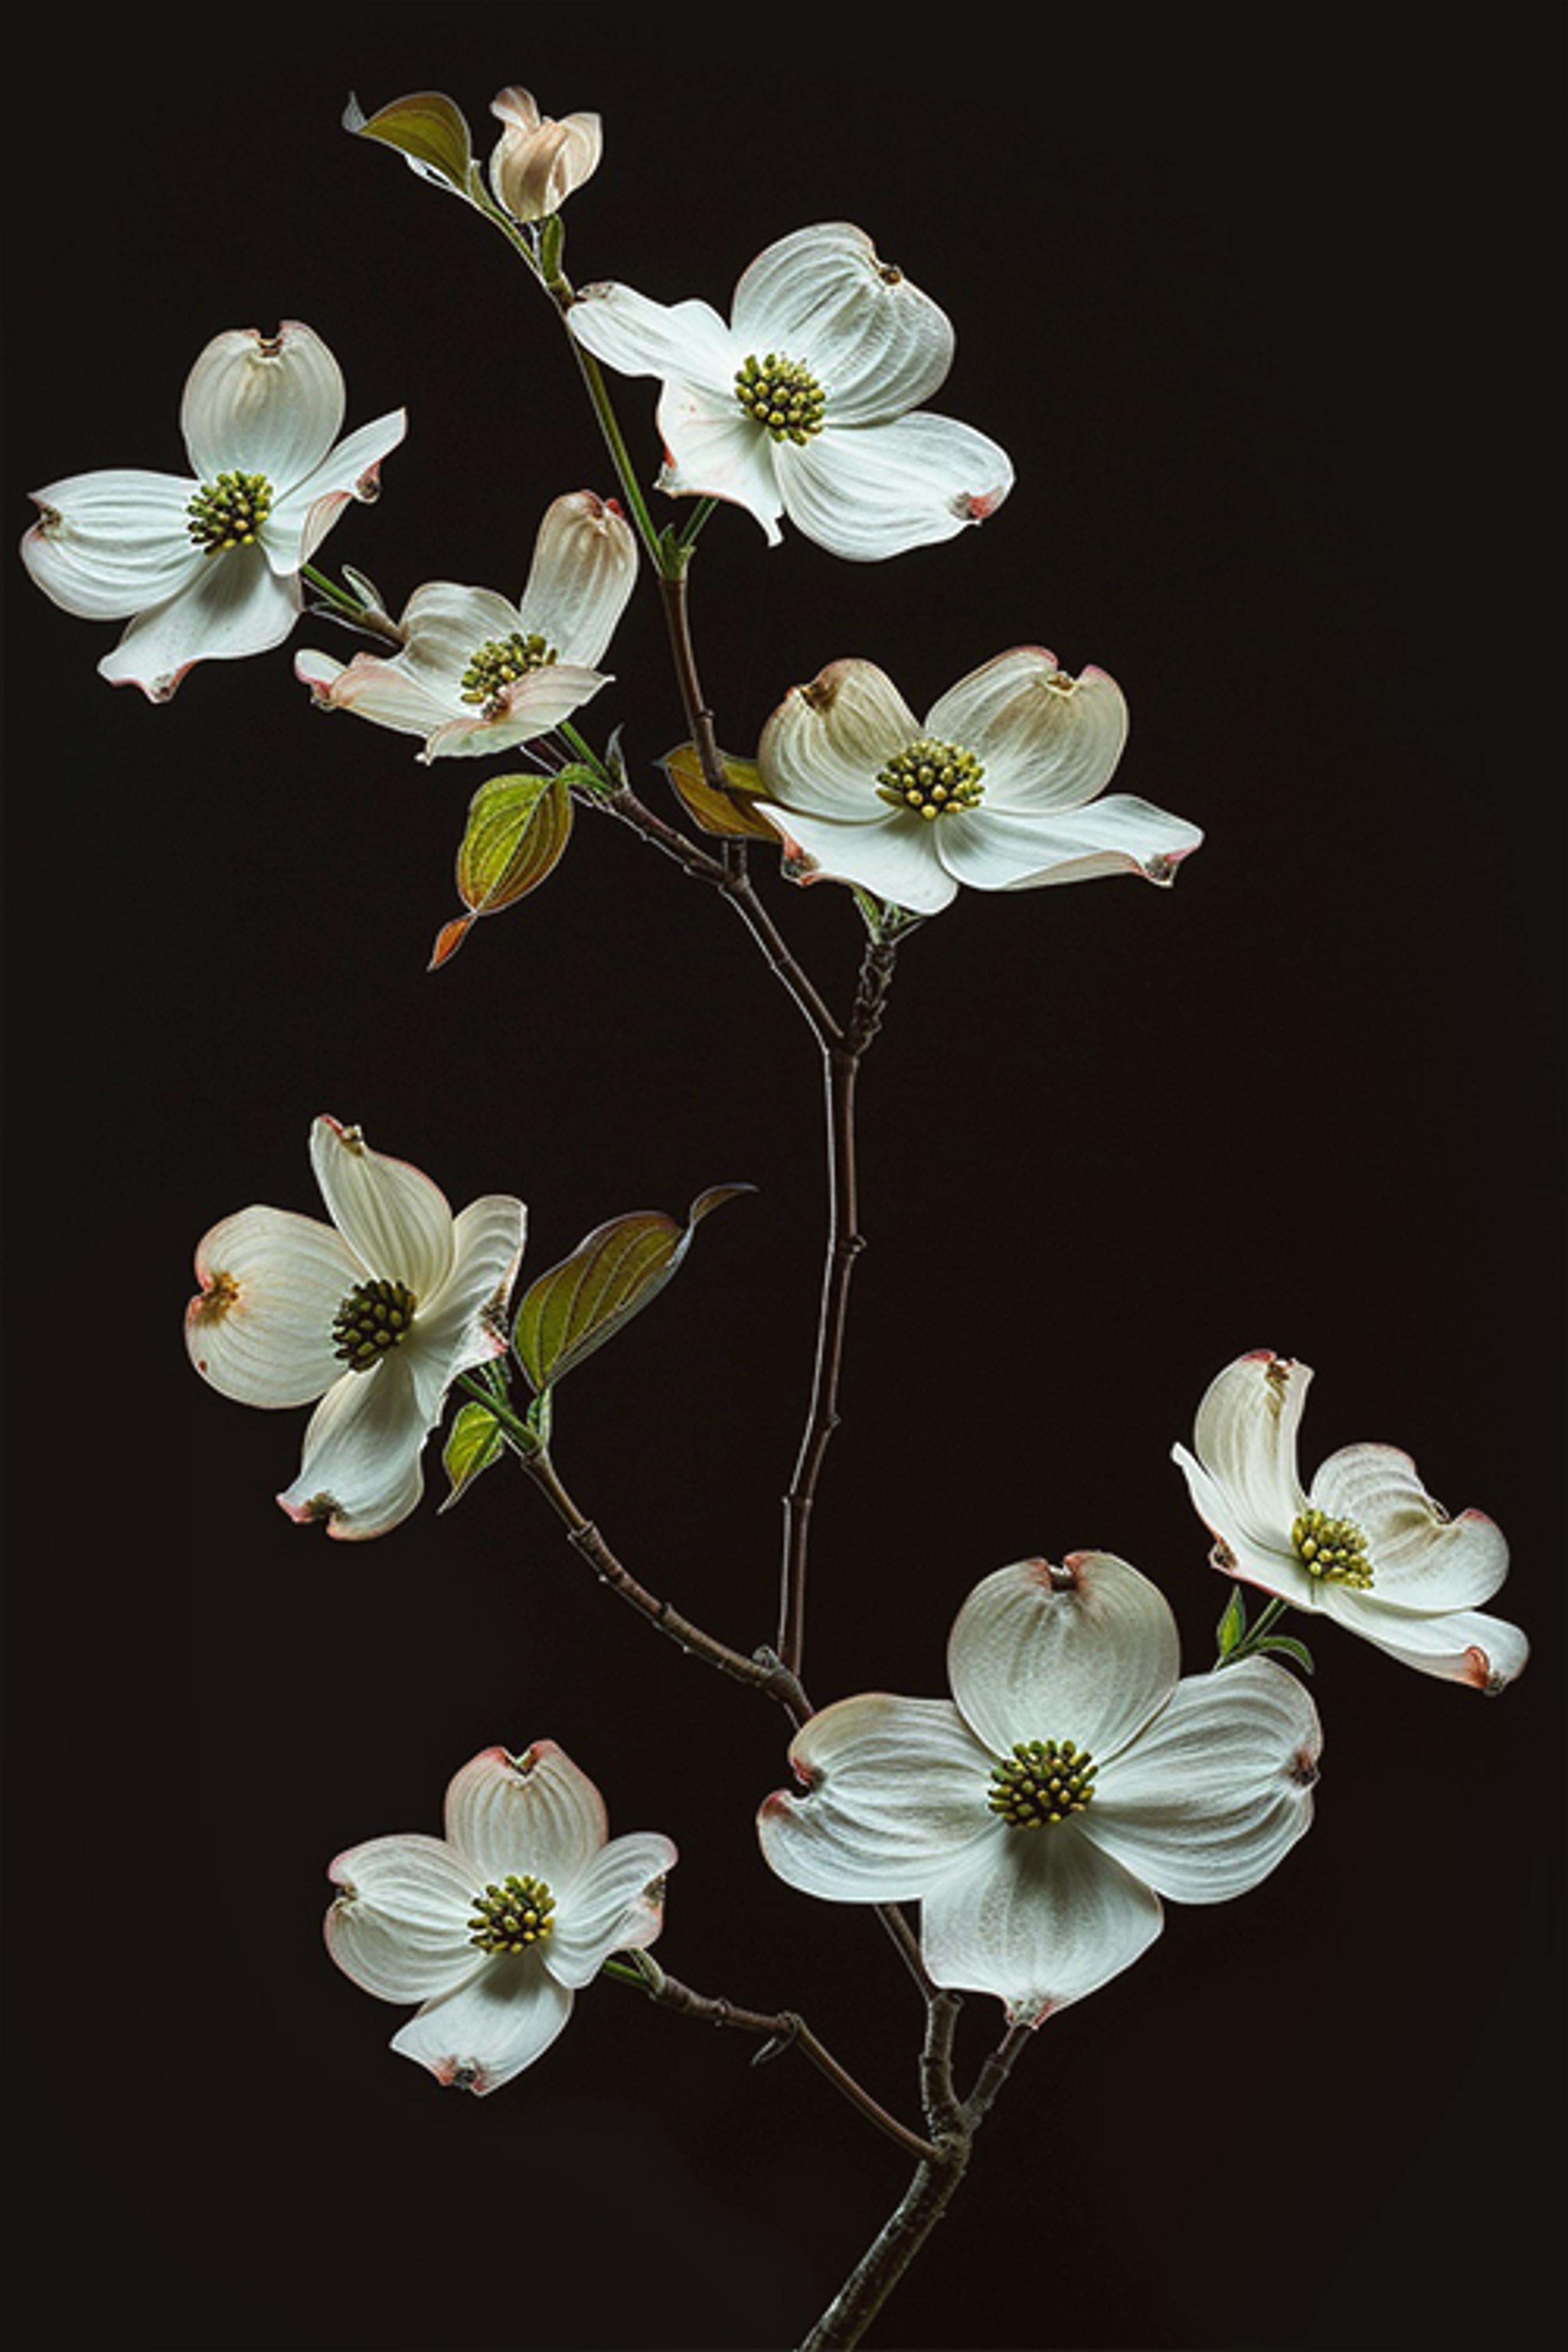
point(781, 395)
point(930, 778)
point(499, 662)
point(370, 1321)
point(1332, 1549)
point(1042, 1780)
point(229, 512)
point(512, 1915)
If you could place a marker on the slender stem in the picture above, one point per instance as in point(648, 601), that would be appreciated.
point(786, 2028)
point(883, 2265)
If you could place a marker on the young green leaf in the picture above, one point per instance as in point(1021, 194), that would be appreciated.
point(1232, 1626)
point(473, 1443)
point(610, 1276)
point(426, 127)
point(517, 832)
point(1291, 1647)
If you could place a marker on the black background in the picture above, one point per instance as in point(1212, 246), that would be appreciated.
point(1262, 309)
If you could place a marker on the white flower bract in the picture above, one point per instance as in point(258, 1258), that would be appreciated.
point(371, 1317)
point(1366, 1545)
point(1197, 1787)
point(860, 790)
point(209, 568)
point(537, 162)
point(476, 673)
point(850, 348)
point(495, 1926)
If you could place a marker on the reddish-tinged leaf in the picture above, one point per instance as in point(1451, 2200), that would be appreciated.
point(729, 812)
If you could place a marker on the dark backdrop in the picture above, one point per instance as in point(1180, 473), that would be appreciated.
point(1262, 316)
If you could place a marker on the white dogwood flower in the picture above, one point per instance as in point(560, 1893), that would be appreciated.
point(1072, 1781)
point(1366, 1545)
point(1000, 787)
point(210, 567)
point(495, 1926)
point(537, 162)
point(374, 1315)
point(476, 673)
point(805, 402)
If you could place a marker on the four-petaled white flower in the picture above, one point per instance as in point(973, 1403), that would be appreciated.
point(209, 568)
point(801, 405)
point(476, 673)
point(1366, 1545)
point(996, 788)
point(495, 1926)
point(375, 1315)
point(1073, 1780)
point(537, 162)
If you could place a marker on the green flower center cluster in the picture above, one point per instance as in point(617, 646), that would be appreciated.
point(229, 512)
point(781, 395)
point(370, 1321)
point(512, 1915)
point(499, 662)
point(1332, 1549)
point(1042, 1780)
point(930, 778)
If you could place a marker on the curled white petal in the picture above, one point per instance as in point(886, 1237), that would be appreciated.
point(1040, 1918)
point(399, 1924)
point(1216, 1790)
point(480, 2036)
point(112, 543)
point(360, 1472)
point(616, 1905)
point(1047, 741)
point(1422, 1559)
point(824, 296)
point(260, 1328)
point(397, 1221)
point(871, 491)
point(271, 405)
point(1087, 1652)
point(536, 1812)
point(895, 1799)
point(234, 606)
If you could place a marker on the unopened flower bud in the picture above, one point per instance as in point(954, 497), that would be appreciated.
point(537, 162)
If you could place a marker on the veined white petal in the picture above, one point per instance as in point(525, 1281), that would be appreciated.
point(686, 343)
point(444, 624)
point(583, 570)
point(822, 297)
point(1047, 741)
point(1216, 1790)
point(388, 693)
point(896, 1800)
point(1269, 1564)
point(260, 1329)
point(1422, 1559)
point(464, 1323)
point(1460, 1645)
point(399, 1926)
point(714, 450)
point(891, 856)
point(869, 492)
point(232, 606)
point(271, 405)
point(109, 544)
point(397, 1221)
point(499, 2022)
point(534, 703)
point(1041, 1918)
point(1086, 1652)
point(822, 746)
point(991, 849)
point(302, 516)
point(617, 1906)
point(536, 1813)
point(360, 1470)
point(1245, 1436)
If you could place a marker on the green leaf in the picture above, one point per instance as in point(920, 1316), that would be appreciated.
point(426, 128)
point(1232, 1626)
point(1291, 1647)
point(610, 1276)
point(729, 812)
point(516, 835)
point(473, 1443)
